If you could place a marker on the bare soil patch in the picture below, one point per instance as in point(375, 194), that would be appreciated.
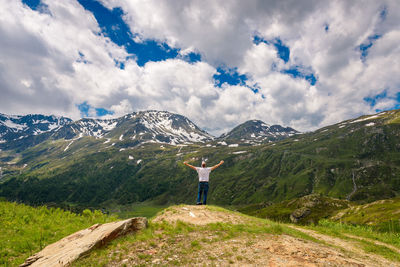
point(198, 215)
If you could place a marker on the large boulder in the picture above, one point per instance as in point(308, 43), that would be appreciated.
point(72, 247)
point(299, 214)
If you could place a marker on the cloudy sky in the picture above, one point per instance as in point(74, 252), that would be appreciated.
point(304, 64)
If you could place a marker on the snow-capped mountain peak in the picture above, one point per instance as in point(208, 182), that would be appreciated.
point(177, 128)
point(256, 132)
point(138, 127)
point(13, 127)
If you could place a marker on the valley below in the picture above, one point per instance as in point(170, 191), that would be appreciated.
point(352, 160)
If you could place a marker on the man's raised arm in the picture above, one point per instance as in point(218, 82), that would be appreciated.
point(216, 166)
point(191, 166)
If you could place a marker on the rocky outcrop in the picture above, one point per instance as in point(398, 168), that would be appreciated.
point(312, 208)
point(299, 214)
point(74, 246)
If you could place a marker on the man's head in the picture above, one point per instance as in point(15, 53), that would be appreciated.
point(203, 164)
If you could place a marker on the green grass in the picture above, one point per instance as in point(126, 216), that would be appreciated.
point(395, 118)
point(26, 230)
point(383, 215)
point(337, 228)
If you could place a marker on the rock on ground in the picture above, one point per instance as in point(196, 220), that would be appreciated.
point(70, 248)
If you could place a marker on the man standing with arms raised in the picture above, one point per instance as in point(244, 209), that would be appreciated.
point(204, 174)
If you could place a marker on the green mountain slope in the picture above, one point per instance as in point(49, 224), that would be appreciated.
point(357, 160)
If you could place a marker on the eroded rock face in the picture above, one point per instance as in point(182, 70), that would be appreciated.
point(72, 247)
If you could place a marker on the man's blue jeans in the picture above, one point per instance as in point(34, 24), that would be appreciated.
point(203, 188)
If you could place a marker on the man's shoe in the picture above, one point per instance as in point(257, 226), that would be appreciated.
point(199, 203)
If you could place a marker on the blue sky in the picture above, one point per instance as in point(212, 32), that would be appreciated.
point(374, 100)
point(215, 60)
point(114, 27)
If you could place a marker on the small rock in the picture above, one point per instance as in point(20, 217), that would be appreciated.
point(155, 261)
point(151, 251)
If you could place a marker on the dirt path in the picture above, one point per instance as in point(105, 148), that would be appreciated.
point(352, 248)
point(208, 245)
point(375, 242)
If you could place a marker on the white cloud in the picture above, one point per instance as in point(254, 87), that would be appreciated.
point(122, 108)
point(258, 60)
point(41, 70)
point(41, 50)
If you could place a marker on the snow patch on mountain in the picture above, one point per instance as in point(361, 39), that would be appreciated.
point(18, 127)
point(367, 118)
point(70, 143)
point(107, 125)
point(239, 152)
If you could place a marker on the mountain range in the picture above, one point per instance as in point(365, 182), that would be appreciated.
point(20, 132)
point(139, 156)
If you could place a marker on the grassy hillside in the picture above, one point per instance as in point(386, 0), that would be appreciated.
point(26, 230)
point(304, 210)
point(198, 235)
point(210, 235)
point(383, 215)
point(357, 160)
